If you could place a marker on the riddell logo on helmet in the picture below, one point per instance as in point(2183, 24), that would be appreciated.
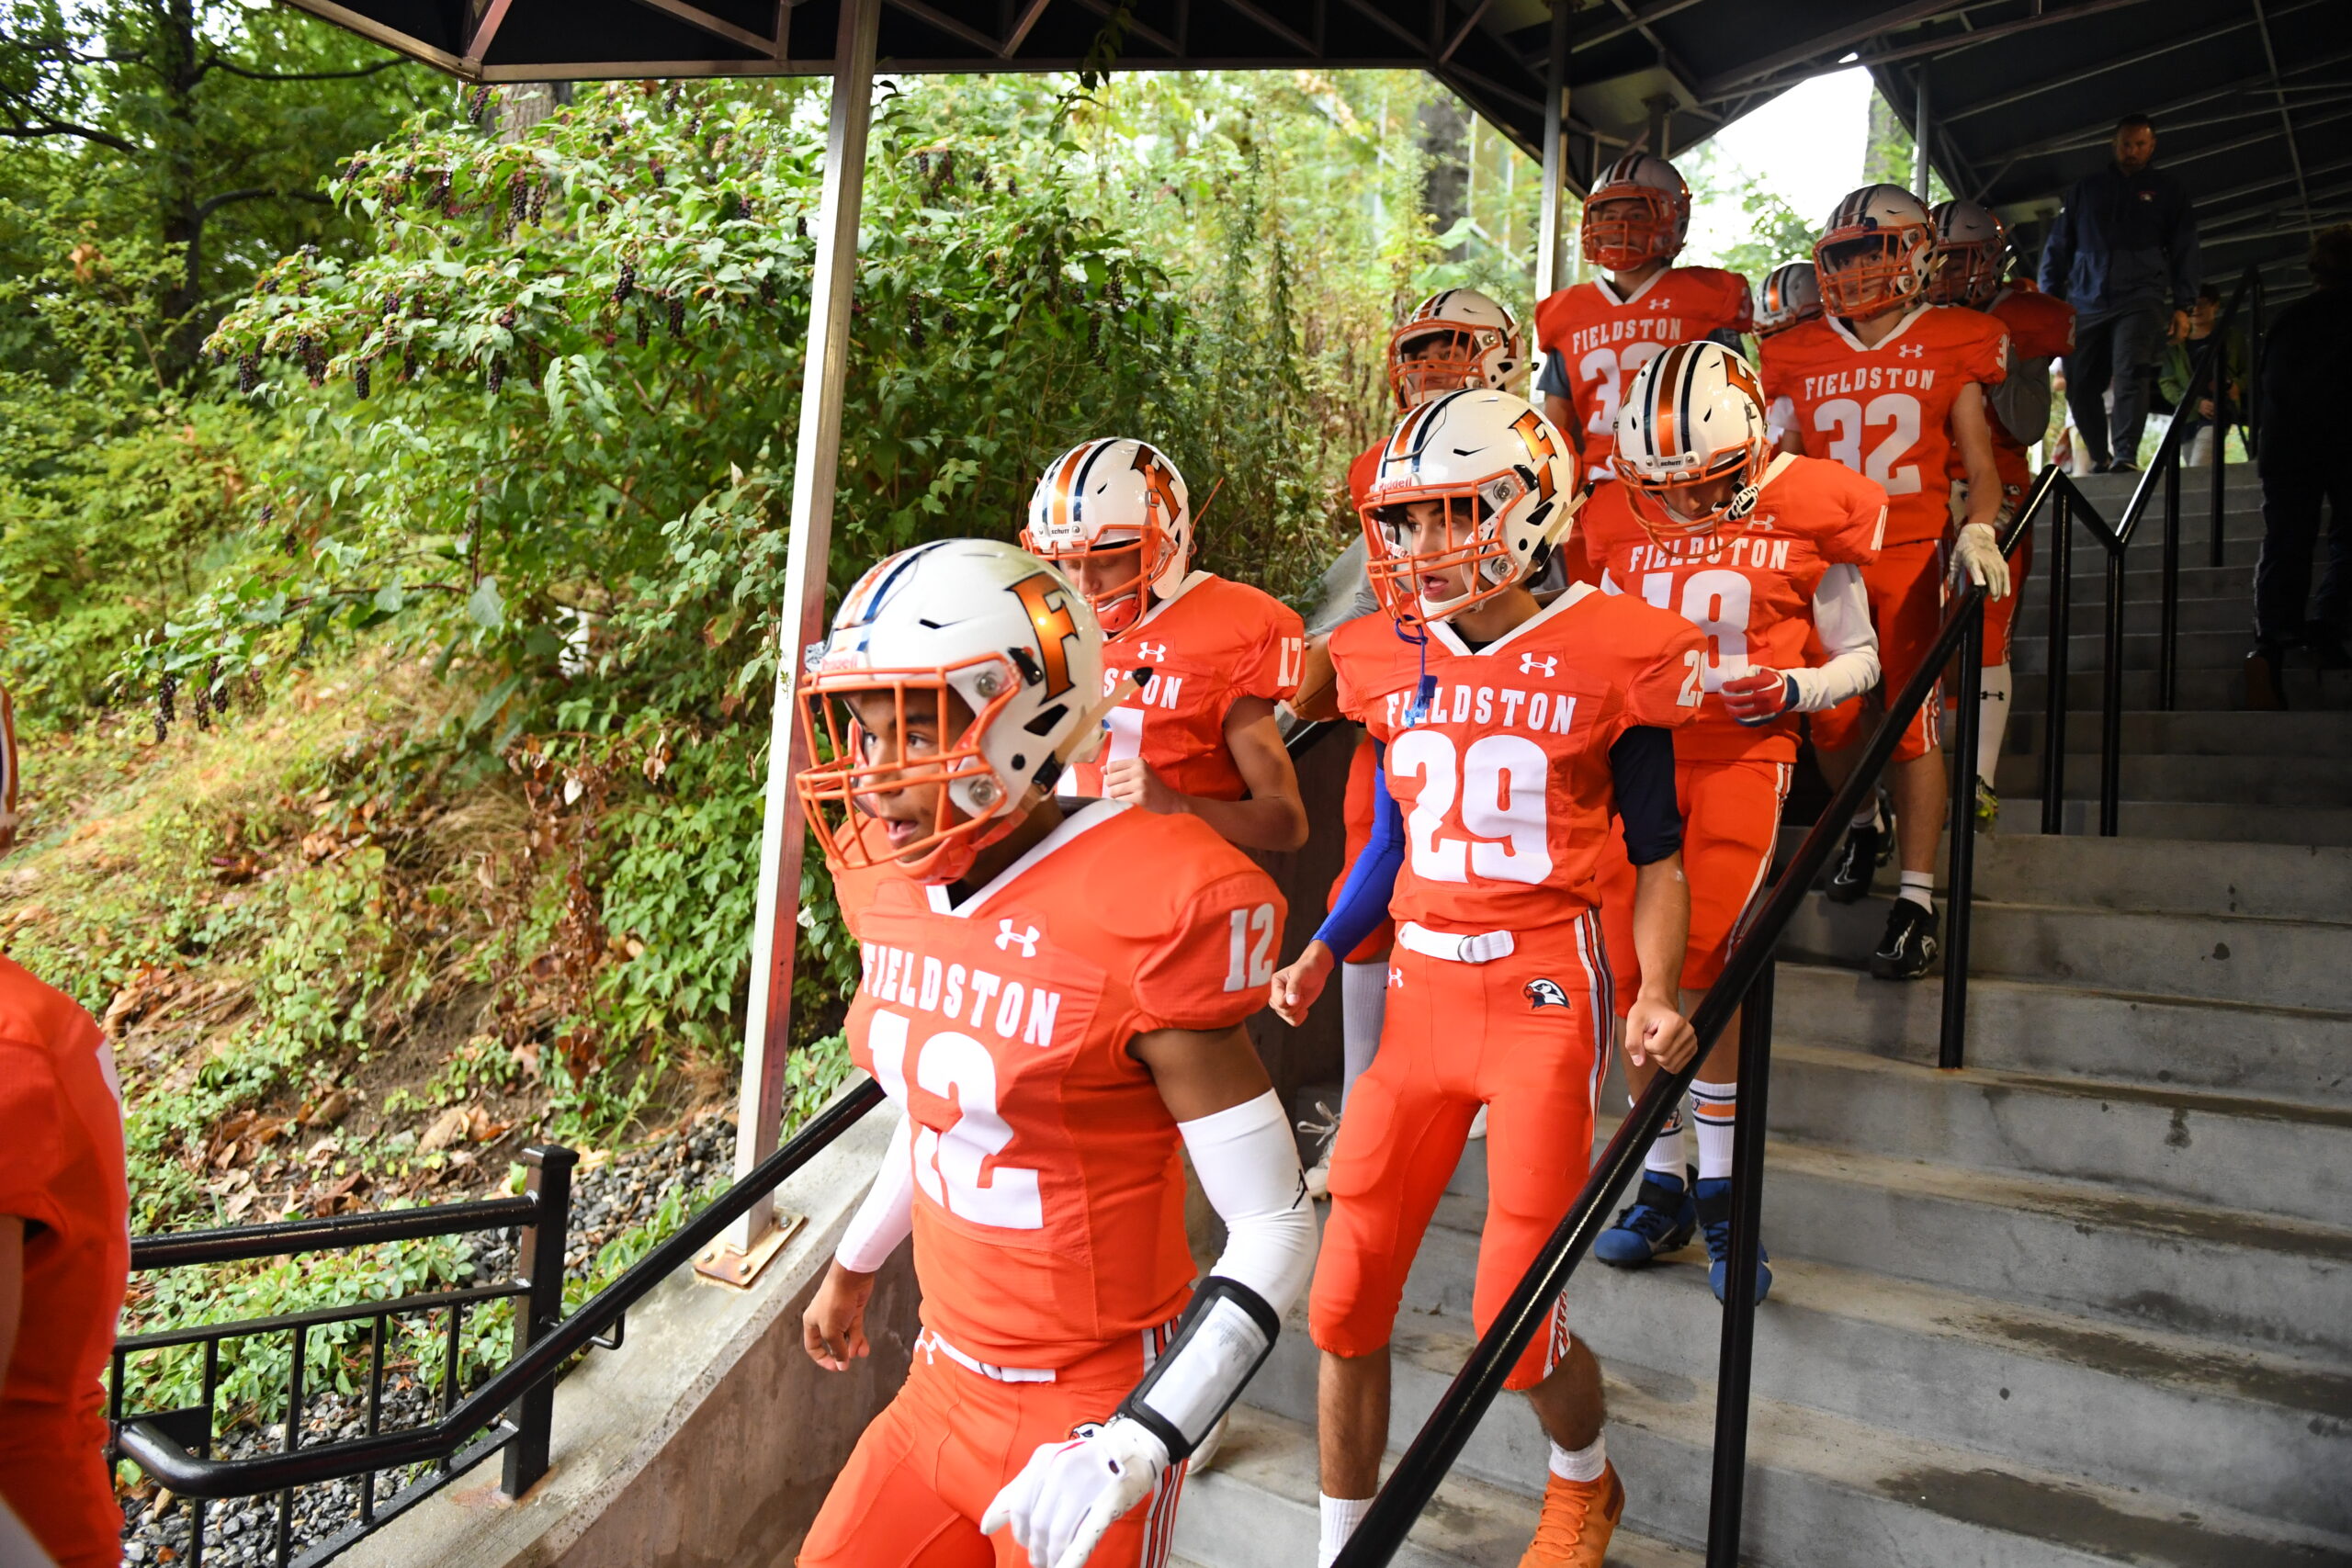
point(1047, 598)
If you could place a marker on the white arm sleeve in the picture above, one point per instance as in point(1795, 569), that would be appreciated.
point(887, 1215)
point(1841, 614)
point(1247, 1163)
point(1780, 419)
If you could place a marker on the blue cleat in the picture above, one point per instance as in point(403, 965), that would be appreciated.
point(1712, 1200)
point(1659, 1220)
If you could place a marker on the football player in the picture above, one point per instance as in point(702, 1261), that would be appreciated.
point(1895, 389)
point(1053, 996)
point(1210, 656)
point(65, 1255)
point(1454, 340)
point(1971, 258)
point(1791, 294)
point(1596, 335)
point(1509, 732)
point(1764, 553)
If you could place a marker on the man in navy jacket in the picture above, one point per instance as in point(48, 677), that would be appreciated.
point(2125, 245)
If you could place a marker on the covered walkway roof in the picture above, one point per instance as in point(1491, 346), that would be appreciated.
point(2253, 98)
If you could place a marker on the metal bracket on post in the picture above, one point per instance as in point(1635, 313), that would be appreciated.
point(768, 1034)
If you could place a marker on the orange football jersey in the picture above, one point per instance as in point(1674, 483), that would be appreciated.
point(1504, 781)
point(2040, 330)
point(1604, 340)
point(1747, 587)
point(1363, 471)
point(1050, 1202)
point(1193, 655)
point(1885, 412)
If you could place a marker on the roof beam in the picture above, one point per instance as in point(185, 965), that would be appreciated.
point(944, 22)
point(718, 26)
point(2075, 78)
point(2065, 140)
point(1395, 30)
point(1281, 31)
point(1022, 27)
point(1832, 42)
point(2286, 119)
point(1940, 45)
point(1469, 24)
point(1628, 21)
point(1143, 30)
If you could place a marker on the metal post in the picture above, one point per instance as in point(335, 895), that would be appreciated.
point(2054, 717)
point(1555, 157)
point(2168, 613)
point(2221, 411)
point(538, 1262)
point(1919, 137)
point(1661, 126)
point(1723, 1504)
point(1959, 874)
point(2110, 705)
point(767, 1021)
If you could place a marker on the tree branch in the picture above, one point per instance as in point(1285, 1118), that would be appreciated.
point(66, 127)
point(217, 63)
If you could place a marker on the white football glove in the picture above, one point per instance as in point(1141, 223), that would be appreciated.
point(1978, 551)
point(1070, 1493)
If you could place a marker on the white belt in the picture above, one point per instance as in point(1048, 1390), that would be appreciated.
point(1483, 948)
point(929, 1343)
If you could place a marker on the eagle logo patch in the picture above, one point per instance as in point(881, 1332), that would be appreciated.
point(1542, 994)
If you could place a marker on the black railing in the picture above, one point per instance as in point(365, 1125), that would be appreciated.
point(511, 1410)
point(1746, 987)
point(2069, 505)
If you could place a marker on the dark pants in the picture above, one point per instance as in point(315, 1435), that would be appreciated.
point(2118, 349)
point(2282, 580)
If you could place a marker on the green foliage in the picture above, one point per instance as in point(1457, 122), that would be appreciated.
point(1773, 231)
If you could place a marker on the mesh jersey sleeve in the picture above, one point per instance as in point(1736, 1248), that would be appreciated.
point(31, 1104)
point(1859, 529)
point(1215, 968)
point(1274, 662)
point(1665, 693)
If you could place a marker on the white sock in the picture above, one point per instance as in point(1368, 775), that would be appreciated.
point(1991, 720)
point(1340, 1518)
point(1363, 1004)
point(1919, 886)
point(1584, 1464)
point(1667, 1155)
point(1712, 1106)
point(1868, 815)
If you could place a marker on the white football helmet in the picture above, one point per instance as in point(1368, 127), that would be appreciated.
point(1638, 212)
point(1874, 252)
point(1508, 485)
point(1018, 650)
point(1455, 339)
point(1114, 496)
point(1972, 250)
point(1691, 443)
point(1791, 294)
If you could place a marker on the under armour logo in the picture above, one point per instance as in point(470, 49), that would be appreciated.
point(1006, 936)
point(1912, 351)
point(1155, 651)
point(1396, 979)
point(1528, 662)
point(1543, 993)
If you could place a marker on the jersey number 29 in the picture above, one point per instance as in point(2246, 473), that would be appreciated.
point(1499, 781)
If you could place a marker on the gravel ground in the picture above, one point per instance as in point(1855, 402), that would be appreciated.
point(607, 1200)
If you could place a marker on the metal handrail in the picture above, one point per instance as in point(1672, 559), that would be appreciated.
point(2065, 500)
point(532, 1369)
point(242, 1243)
point(1746, 969)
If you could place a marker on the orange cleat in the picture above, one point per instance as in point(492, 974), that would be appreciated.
point(1578, 1518)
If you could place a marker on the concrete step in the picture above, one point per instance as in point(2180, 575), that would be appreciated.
point(1946, 1366)
point(2114, 1039)
point(2143, 580)
point(2177, 876)
point(2242, 780)
point(2086, 649)
point(1821, 1491)
point(2277, 1157)
point(2315, 733)
point(1258, 1509)
point(2252, 1282)
point(2195, 690)
point(2191, 819)
point(2230, 613)
point(2239, 958)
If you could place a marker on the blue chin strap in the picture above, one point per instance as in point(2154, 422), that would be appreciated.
point(1427, 686)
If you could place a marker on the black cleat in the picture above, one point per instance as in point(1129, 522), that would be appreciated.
point(1908, 949)
point(1865, 850)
